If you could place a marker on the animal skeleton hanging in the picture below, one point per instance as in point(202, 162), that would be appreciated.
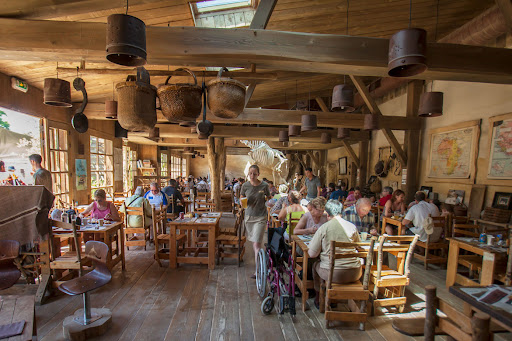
point(264, 155)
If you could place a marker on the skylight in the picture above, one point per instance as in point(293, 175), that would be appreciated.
point(220, 5)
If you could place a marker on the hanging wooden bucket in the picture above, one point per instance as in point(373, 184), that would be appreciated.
point(136, 109)
point(293, 130)
point(431, 104)
point(126, 40)
point(57, 92)
point(343, 133)
point(111, 109)
point(226, 96)
point(283, 136)
point(343, 98)
point(308, 122)
point(181, 101)
point(325, 138)
point(407, 50)
point(371, 122)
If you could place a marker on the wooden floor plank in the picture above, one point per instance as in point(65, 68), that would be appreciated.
point(306, 326)
point(204, 328)
point(226, 318)
point(186, 318)
point(245, 313)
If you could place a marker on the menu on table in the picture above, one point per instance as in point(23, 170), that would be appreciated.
point(212, 214)
point(185, 220)
point(206, 220)
point(494, 296)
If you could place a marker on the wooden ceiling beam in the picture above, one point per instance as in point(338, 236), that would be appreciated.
point(352, 153)
point(325, 53)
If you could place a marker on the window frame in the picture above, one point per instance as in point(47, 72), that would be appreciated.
point(94, 167)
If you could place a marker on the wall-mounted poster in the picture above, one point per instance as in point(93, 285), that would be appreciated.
point(452, 152)
point(500, 155)
point(343, 165)
point(81, 174)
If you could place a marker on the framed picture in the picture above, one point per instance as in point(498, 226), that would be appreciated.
point(342, 161)
point(502, 200)
point(455, 197)
point(426, 190)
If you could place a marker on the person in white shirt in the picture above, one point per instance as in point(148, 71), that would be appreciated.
point(155, 196)
point(417, 214)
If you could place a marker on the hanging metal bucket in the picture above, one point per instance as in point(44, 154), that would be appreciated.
point(343, 98)
point(111, 109)
point(57, 92)
point(283, 136)
point(371, 122)
point(181, 101)
point(343, 133)
point(226, 96)
point(136, 102)
point(126, 40)
point(431, 104)
point(293, 130)
point(308, 123)
point(407, 49)
point(325, 138)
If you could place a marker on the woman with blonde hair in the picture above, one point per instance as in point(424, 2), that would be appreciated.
point(100, 208)
point(312, 220)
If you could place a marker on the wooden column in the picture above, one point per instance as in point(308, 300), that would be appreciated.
point(363, 166)
point(412, 142)
point(216, 162)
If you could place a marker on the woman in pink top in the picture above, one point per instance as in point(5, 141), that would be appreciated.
point(101, 208)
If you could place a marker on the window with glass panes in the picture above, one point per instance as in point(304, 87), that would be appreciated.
point(175, 166)
point(58, 148)
point(184, 167)
point(164, 164)
point(102, 165)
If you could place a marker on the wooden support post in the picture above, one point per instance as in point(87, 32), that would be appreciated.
point(363, 162)
point(322, 157)
point(412, 142)
point(216, 161)
point(431, 313)
point(480, 324)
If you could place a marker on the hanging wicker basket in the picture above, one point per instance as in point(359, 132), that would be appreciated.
point(136, 110)
point(226, 96)
point(180, 102)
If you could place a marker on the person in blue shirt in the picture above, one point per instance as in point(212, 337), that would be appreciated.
point(155, 196)
point(338, 193)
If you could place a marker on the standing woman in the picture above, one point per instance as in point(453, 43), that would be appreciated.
point(256, 192)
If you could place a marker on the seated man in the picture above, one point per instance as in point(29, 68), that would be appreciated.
point(360, 215)
point(172, 192)
point(337, 194)
point(417, 214)
point(352, 198)
point(137, 200)
point(155, 196)
point(386, 195)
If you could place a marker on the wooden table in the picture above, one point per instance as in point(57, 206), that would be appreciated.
point(15, 308)
point(393, 222)
point(192, 226)
point(112, 235)
point(301, 263)
point(490, 257)
point(500, 316)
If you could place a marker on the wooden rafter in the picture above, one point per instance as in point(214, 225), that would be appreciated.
point(73, 41)
point(352, 153)
point(374, 109)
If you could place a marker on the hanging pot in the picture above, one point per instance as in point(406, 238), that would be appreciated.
point(406, 55)
point(283, 136)
point(111, 109)
point(79, 121)
point(205, 127)
point(226, 96)
point(325, 138)
point(180, 101)
point(431, 104)
point(57, 92)
point(308, 122)
point(371, 122)
point(343, 98)
point(137, 102)
point(126, 40)
point(293, 130)
point(343, 133)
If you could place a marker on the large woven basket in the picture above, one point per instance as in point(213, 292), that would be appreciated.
point(182, 101)
point(226, 96)
point(136, 110)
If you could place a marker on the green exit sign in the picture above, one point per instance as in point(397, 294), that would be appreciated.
point(19, 84)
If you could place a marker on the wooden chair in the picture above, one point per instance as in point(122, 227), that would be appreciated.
point(388, 285)
point(452, 323)
point(131, 239)
point(466, 230)
point(441, 229)
point(292, 220)
point(162, 238)
point(9, 272)
point(232, 245)
point(356, 293)
point(203, 203)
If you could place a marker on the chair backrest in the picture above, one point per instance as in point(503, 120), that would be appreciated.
point(74, 235)
point(9, 249)
point(339, 251)
point(293, 219)
point(441, 223)
point(136, 211)
point(401, 243)
point(172, 203)
point(159, 220)
point(466, 230)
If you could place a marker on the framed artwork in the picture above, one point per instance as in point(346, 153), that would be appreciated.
point(453, 150)
point(455, 196)
point(426, 189)
point(81, 174)
point(502, 200)
point(342, 161)
point(500, 153)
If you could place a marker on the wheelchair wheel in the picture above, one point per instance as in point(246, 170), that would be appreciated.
point(267, 305)
point(261, 273)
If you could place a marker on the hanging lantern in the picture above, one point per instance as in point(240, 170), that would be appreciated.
point(431, 104)
point(325, 138)
point(343, 133)
point(283, 136)
point(308, 123)
point(406, 55)
point(293, 130)
point(371, 122)
point(57, 92)
point(111, 109)
point(343, 98)
point(126, 40)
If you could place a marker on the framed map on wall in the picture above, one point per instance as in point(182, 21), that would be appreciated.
point(500, 154)
point(453, 151)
